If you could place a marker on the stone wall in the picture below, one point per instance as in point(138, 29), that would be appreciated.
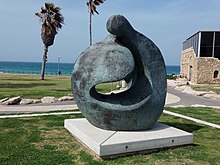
point(188, 66)
point(199, 70)
point(206, 68)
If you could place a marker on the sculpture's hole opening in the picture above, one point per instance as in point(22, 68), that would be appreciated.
point(137, 92)
point(111, 87)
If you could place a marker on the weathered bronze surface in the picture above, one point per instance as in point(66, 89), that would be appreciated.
point(124, 54)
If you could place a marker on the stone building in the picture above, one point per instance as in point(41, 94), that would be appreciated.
point(200, 58)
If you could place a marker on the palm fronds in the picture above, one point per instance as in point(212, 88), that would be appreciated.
point(51, 16)
point(92, 9)
point(92, 5)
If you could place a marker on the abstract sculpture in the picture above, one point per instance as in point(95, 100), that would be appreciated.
point(124, 54)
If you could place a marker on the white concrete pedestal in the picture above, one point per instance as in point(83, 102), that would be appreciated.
point(110, 144)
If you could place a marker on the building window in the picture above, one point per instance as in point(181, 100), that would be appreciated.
point(217, 45)
point(215, 74)
point(206, 44)
point(207, 39)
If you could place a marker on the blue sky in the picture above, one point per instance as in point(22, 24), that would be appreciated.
point(167, 22)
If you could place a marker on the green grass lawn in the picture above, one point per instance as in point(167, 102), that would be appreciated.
point(30, 86)
point(214, 88)
point(44, 140)
point(207, 114)
point(106, 87)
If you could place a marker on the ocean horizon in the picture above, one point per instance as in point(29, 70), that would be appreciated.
point(53, 68)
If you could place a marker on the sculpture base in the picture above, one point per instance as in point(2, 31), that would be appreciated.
point(110, 144)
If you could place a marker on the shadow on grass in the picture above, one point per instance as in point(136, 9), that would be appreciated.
point(30, 85)
point(185, 127)
point(19, 79)
point(63, 90)
point(158, 153)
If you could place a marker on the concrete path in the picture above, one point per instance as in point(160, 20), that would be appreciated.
point(171, 99)
point(188, 100)
point(15, 109)
point(192, 119)
point(38, 114)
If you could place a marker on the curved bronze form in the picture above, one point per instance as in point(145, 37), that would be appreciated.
point(125, 54)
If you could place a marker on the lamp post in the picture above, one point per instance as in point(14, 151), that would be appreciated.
point(59, 73)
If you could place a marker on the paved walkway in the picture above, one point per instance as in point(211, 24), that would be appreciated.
point(38, 114)
point(171, 99)
point(188, 100)
point(192, 119)
point(15, 109)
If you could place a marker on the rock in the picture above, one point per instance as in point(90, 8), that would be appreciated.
point(185, 89)
point(35, 101)
point(12, 101)
point(66, 98)
point(29, 101)
point(26, 101)
point(212, 96)
point(70, 95)
point(48, 100)
point(202, 93)
point(176, 83)
point(171, 83)
point(3, 100)
point(189, 90)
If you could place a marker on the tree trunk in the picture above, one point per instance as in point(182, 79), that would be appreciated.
point(90, 28)
point(44, 62)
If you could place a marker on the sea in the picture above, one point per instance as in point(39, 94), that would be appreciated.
point(54, 68)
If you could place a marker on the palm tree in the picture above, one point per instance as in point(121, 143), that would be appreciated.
point(92, 8)
point(52, 21)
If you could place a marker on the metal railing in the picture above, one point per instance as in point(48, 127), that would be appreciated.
point(32, 72)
